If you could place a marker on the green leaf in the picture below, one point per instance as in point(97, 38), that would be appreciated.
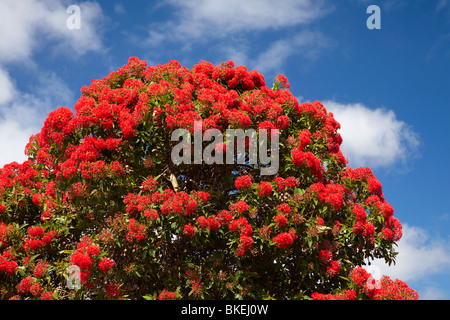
point(66, 252)
point(22, 271)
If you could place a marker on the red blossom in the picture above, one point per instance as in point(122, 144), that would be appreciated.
point(24, 285)
point(105, 265)
point(112, 290)
point(240, 206)
point(167, 295)
point(280, 220)
point(189, 230)
point(265, 189)
point(243, 182)
point(283, 240)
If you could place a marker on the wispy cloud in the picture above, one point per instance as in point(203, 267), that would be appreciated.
point(307, 43)
point(200, 19)
point(441, 4)
point(273, 58)
point(439, 49)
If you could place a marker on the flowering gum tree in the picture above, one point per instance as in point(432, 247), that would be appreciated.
point(100, 211)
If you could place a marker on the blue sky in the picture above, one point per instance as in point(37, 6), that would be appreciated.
point(389, 88)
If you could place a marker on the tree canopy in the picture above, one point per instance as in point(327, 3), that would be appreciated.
point(101, 211)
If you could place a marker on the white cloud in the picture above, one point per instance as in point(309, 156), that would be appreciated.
point(373, 137)
point(272, 60)
point(419, 256)
point(235, 15)
point(203, 18)
point(29, 24)
point(431, 293)
point(118, 8)
point(6, 87)
point(23, 114)
point(229, 27)
point(310, 44)
point(14, 139)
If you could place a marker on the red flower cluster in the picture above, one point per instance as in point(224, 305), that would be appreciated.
point(241, 206)
point(32, 286)
point(332, 194)
point(364, 174)
point(242, 226)
point(243, 182)
point(392, 227)
point(282, 82)
point(152, 214)
point(112, 290)
point(8, 263)
point(167, 295)
point(189, 230)
point(24, 286)
point(344, 295)
point(280, 220)
point(39, 238)
point(136, 203)
point(265, 189)
point(366, 229)
point(4, 233)
point(179, 203)
point(289, 182)
point(333, 268)
point(201, 197)
point(315, 109)
point(211, 223)
point(82, 258)
point(149, 184)
point(394, 290)
point(214, 222)
point(105, 265)
point(300, 158)
point(245, 244)
point(85, 256)
point(386, 290)
point(40, 269)
point(325, 256)
point(136, 231)
point(285, 239)
point(361, 281)
point(284, 208)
